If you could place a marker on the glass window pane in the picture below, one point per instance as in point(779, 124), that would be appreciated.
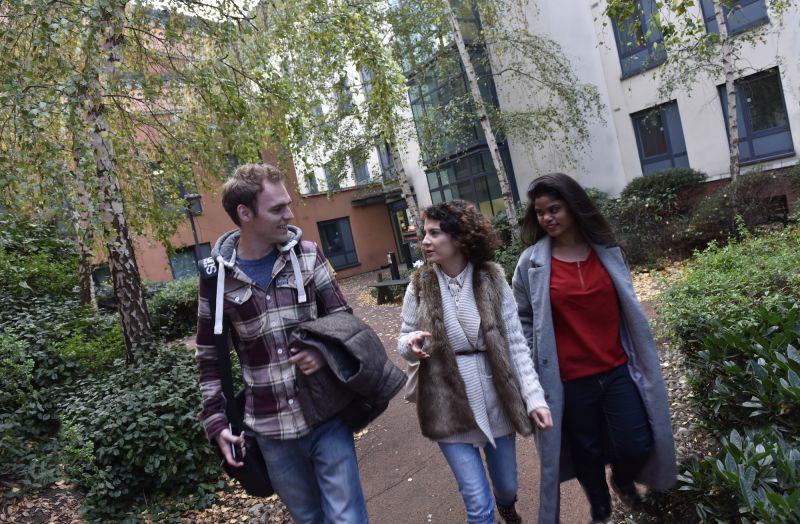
point(337, 242)
point(765, 103)
point(674, 128)
point(433, 180)
point(651, 134)
point(742, 14)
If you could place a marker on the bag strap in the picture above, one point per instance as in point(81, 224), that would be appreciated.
point(221, 342)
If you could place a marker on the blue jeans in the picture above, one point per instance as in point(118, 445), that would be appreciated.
point(606, 409)
point(316, 476)
point(465, 461)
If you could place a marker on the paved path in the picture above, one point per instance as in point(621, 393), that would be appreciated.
point(405, 477)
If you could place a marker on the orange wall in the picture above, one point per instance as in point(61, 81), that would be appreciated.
point(372, 232)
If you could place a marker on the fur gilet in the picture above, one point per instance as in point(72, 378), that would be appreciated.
point(442, 405)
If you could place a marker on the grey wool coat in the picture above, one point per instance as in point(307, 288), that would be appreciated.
point(531, 284)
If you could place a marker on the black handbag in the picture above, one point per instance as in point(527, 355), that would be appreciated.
point(252, 476)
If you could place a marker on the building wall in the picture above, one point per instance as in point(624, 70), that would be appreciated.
point(599, 165)
point(372, 231)
point(704, 128)
point(611, 158)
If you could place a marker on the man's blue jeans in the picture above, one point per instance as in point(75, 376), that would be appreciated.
point(316, 476)
point(465, 461)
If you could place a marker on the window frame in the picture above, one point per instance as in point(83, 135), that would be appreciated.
point(656, 55)
point(671, 154)
point(324, 246)
point(710, 17)
point(746, 123)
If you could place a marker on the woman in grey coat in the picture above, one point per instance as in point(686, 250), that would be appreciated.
point(594, 353)
point(475, 382)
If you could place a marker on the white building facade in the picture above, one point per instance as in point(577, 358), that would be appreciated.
point(642, 132)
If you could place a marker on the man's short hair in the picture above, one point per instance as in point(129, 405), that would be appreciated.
point(244, 186)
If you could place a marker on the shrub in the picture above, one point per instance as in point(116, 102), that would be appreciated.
point(92, 342)
point(725, 284)
point(35, 259)
point(173, 309)
point(27, 419)
point(649, 215)
point(665, 185)
point(753, 479)
point(759, 198)
point(133, 437)
point(749, 374)
point(508, 256)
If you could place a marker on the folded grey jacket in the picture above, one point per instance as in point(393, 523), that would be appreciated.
point(358, 381)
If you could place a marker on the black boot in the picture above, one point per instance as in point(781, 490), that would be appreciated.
point(509, 513)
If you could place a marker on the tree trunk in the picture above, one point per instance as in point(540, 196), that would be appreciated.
point(85, 235)
point(491, 140)
point(83, 207)
point(121, 260)
point(405, 189)
point(730, 91)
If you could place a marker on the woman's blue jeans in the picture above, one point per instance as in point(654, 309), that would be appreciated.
point(316, 476)
point(465, 461)
point(600, 409)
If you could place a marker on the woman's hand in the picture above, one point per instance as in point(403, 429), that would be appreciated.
point(415, 343)
point(542, 418)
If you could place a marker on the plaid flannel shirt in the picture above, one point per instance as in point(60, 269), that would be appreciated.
point(261, 322)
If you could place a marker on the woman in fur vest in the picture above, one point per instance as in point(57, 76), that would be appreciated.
point(476, 386)
point(594, 352)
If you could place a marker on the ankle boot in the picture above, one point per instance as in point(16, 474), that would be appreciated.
point(509, 514)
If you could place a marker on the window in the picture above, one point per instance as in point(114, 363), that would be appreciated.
point(311, 182)
point(182, 262)
point(659, 137)
point(639, 40)
point(366, 81)
point(472, 178)
point(764, 131)
point(344, 97)
point(337, 242)
point(361, 172)
point(434, 88)
point(330, 179)
point(385, 159)
point(740, 15)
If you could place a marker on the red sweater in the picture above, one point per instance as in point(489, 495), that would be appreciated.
point(585, 318)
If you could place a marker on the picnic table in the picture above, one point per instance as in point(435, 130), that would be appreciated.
point(385, 286)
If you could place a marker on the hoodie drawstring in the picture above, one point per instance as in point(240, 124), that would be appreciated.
point(220, 298)
point(298, 277)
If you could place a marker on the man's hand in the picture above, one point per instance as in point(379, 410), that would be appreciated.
point(225, 440)
point(308, 360)
point(415, 344)
point(542, 418)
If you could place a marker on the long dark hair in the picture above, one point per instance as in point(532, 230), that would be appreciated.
point(591, 223)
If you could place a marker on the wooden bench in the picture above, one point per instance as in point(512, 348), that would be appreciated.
point(385, 286)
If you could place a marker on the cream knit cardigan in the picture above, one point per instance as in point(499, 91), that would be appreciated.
point(462, 324)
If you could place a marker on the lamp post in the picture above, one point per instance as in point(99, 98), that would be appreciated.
point(190, 199)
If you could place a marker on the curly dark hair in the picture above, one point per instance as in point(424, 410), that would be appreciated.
point(473, 232)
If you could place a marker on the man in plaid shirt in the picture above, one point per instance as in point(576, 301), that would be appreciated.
point(269, 281)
